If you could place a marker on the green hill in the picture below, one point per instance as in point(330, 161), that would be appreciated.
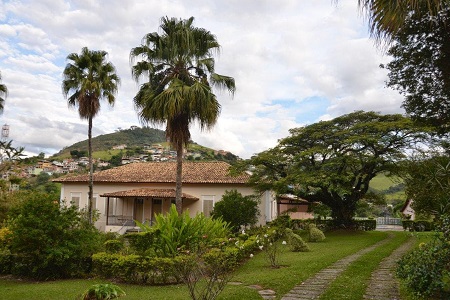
point(392, 187)
point(135, 139)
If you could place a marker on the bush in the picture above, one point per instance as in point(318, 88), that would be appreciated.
point(237, 210)
point(425, 270)
point(113, 246)
point(418, 225)
point(296, 243)
point(48, 241)
point(136, 268)
point(315, 234)
point(366, 225)
point(103, 291)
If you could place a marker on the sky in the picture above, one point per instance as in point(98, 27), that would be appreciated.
point(295, 62)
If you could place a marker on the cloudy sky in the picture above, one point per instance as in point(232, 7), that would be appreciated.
point(294, 62)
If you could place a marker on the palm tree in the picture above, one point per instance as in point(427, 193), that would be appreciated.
point(88, 77)
point(3, 94)
point(386, 17)
point(179, 65)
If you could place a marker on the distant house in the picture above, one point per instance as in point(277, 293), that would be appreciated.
point(294, 206)
point(138, 191)
point(407, 211)
point(120, 147)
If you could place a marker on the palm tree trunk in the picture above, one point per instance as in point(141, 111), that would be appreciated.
point(178, 188)
point(91, 171)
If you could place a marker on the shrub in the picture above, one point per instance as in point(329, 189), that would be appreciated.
point(103, 291)
point(113, 246)
point(315, 234)
point(425, 270)
point(366, 225)
point(49, 241)
point(237, 210)
point(296, 243)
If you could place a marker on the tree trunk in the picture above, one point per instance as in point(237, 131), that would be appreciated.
point(343, 214)
point(178, 189)
point(91, 171)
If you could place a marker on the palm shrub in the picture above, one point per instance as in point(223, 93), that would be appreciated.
point(181, 233)
point(102, 291)
point(295, 242)
point(315, 234)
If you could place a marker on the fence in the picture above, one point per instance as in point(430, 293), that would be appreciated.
point(389, 221)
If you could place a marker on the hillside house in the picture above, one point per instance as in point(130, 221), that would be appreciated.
point(138, 191)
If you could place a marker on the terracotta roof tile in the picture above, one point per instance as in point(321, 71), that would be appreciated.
point(157, 193)
point(164, 172)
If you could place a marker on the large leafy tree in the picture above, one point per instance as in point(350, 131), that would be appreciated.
point(179, 66)
point(3, 94)
point(89, 78)
point(334, 161)
point(420, 69)
point(427, 180)
point(387, 17)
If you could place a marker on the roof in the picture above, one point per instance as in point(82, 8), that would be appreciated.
point(291, 199)
point(164, 172)
point(156, 193)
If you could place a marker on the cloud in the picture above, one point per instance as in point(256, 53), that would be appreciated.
point(294, 62)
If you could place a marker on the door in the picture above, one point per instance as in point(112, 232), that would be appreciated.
point(156, 208)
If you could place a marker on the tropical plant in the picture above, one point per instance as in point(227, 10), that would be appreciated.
point(177, 63)
point(103, 291)
point(236, 209)
point(88, 78)
point(181, 233)
point(3, 94)
point(387, 17)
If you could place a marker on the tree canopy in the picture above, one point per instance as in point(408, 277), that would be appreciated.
point(237, 210)
point(427, 179)
point(89, 78)
point(179, 66)
point(333, 161)
point(420, 69)
point(387, 17)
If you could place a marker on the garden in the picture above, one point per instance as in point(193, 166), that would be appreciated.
point(183, 257)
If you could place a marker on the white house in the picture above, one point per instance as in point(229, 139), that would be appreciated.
point(137, 191)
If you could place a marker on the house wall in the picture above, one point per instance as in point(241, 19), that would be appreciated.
point(204, 192)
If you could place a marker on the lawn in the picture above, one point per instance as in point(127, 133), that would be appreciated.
point(296, 267)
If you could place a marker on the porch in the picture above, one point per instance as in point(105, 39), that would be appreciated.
point(124, 208)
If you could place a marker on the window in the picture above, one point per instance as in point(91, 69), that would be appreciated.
point(208, 204)
point(75, 199)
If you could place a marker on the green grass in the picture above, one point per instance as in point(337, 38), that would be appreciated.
point(296, 267)
point(352, 283)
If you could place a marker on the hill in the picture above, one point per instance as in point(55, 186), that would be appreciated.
point(133, 137)
point(136, 139)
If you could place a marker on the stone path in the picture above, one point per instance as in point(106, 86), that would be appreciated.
point(314, 286)
point(383, 285)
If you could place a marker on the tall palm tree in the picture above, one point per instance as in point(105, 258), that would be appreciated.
point(386, 17)
point(179, 65)
point(3, 94)
point(88, 78)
